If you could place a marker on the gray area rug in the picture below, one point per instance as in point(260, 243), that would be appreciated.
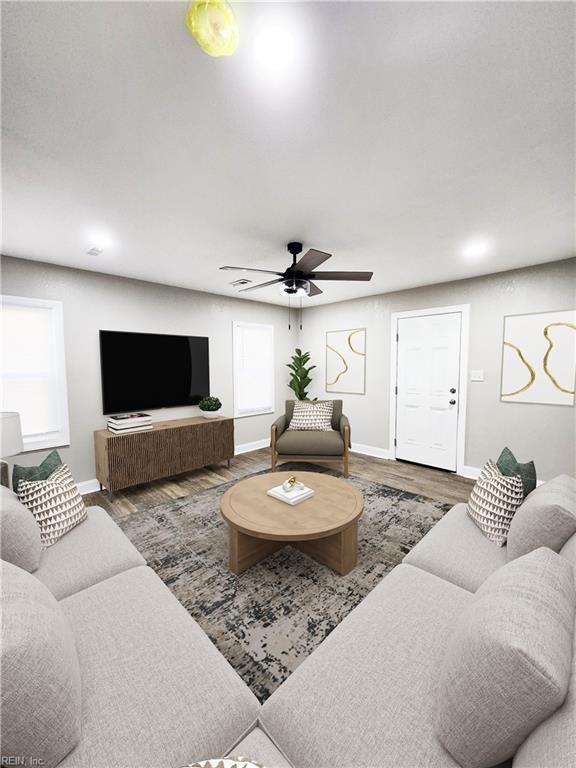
point(270, 618)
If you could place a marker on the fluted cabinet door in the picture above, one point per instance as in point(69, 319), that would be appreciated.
point(142, 457)
point(206, 443)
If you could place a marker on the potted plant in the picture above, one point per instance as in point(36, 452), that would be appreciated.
point(300, 376)
point(210, 407)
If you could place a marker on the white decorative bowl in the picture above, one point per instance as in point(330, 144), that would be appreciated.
point(210, 414)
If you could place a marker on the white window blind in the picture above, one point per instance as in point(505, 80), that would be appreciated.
point(253, 369)
point(33, 370)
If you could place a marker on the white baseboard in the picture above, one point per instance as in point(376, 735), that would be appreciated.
point(371, 450)
point(469, 472)
point(253, 446)
point(88, 486)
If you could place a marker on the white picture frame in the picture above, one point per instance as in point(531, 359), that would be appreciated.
point(346, 361)
point(539, 358)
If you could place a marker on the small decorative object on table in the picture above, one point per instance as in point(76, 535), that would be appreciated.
point(210, 407)
point(291, 491)
point(291, 484)
point(227, 762)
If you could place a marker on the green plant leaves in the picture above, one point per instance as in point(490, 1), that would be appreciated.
point(300, 377)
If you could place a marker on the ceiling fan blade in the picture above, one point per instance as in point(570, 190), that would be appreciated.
point(250, 269)
point(314, 290)
point(262, 285)
point(341, 275)
point(311, 260)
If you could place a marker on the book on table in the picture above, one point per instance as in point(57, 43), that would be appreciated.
point(292, 497)
point(129, 419)
point(128, 430)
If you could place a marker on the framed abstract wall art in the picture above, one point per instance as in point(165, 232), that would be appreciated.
point(346, 361)
point(539, 358)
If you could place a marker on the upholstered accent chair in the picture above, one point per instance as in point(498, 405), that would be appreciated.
point(311, 446)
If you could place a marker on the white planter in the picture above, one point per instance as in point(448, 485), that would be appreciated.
point(210, 414)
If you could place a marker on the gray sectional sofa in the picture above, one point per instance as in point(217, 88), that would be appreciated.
point(149, 690)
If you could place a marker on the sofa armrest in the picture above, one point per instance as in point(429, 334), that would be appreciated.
point(345, 430)
point(277, 428)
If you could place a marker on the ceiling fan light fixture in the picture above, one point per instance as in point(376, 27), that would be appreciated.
point(295, 287)
point(213, 25)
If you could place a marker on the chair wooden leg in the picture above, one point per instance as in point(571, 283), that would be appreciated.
point(273, 449)
point(345, 456)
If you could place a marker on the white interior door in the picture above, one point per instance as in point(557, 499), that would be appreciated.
point(427, 389)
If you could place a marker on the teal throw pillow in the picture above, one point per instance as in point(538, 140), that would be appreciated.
point(41, 472)
point(509, 466)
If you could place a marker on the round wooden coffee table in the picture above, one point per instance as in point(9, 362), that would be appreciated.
point(323, 527)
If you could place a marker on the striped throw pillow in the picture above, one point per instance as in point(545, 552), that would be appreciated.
point(55, 503)
point(312, 416)
point(493, 502)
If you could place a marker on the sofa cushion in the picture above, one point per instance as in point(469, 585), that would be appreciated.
point(89, 553)
point(553, 743)
point(568, 551)
point(310, 443)
point(156, 692)
point(19, 532)
point(508, 661)
point(41, 694)
point(366, 695)
point(40, 472)
point(258, 747)
point(547, 518)
point(456, 549)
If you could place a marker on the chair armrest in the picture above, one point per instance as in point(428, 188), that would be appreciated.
point(345, 430)
point(277, 428)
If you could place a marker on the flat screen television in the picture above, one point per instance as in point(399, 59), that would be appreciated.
point(141, 371)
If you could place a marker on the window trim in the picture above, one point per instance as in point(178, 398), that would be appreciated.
point(237, 324)
point(60, 437)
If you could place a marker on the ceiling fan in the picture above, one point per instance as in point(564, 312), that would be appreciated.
point(297, 279)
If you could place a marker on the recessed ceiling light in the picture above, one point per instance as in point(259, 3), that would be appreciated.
point(278, 49)
point(99, 240)
point(477, 248)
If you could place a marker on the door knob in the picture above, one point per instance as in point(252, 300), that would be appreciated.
point(452, 402)
point(452, 391)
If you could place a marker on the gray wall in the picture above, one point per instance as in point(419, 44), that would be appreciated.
point(93, 301)
point(545, 433)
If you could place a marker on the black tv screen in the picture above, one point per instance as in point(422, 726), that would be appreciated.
point(151, 370)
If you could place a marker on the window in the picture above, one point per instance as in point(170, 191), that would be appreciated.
point(253, 369)
point(33, 370)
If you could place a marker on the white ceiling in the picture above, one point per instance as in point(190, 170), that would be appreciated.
point(399, 132)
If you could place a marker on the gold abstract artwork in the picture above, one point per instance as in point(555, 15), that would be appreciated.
point(345, 361)
point(539, 358)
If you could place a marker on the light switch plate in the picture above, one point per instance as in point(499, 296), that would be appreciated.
point(477, 375)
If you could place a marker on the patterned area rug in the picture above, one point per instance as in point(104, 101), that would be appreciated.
point(270, 618)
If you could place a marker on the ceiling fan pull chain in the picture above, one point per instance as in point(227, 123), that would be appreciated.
point(289, 326)
point(300, 312)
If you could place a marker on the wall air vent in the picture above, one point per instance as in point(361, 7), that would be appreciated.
point(241, 281)
point(95, 251)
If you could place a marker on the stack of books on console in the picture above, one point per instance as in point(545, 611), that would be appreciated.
point(124, 423)
point(293, 496)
